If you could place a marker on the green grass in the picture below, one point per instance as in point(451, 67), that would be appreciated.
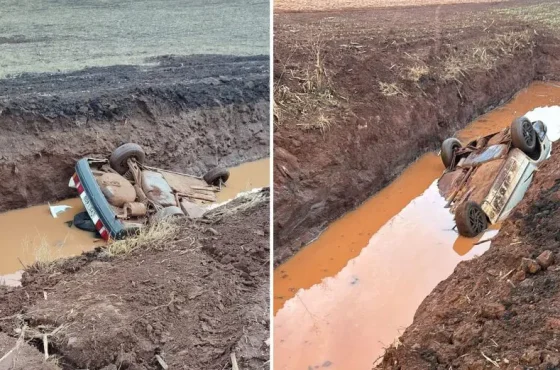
point(52, 35)
point(547, 15)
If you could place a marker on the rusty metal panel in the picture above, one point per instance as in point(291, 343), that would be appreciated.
point(157, 189)
point(182, 184)
point(491, 153)
point(505, 184)
point(448, 182)
point(198, 189)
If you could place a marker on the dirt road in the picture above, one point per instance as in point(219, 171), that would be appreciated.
point(190, 297)
point(360, 94)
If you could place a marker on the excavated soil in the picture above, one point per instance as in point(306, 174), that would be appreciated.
point(191, 301)
point(188, 113)
point(19, 355)
point(360, 94)
point(493, 311)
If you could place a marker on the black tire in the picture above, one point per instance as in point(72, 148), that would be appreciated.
point(470, 219)
point(448, 148)
point(523, 135)
point(83, 222)
point(123, 153)
point(171, 211)
point(214, 176)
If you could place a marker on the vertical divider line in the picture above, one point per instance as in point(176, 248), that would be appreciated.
point(271, 174)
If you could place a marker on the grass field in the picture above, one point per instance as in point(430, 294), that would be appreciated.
point(51, 35)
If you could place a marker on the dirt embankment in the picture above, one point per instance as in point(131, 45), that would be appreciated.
point(495, 311)
point(192, 298)
point(361, 94)
point(189, 114)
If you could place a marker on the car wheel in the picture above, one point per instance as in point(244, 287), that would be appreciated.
point(167, 212)
point(448, 148)
point(470, 219)
point(83, 222)
point(214, 176)
point(523, 135)
point(123, 153)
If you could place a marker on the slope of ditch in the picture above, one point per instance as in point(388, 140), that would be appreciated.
point(500, 310)
point(188, 113)
point(360, 94)
point(191, 298)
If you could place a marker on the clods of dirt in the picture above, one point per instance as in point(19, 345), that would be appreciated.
point(17, 354)
point(500, 310)
point(189, 302)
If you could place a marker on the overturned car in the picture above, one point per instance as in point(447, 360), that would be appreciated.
point(485, 179)
point(122, 194)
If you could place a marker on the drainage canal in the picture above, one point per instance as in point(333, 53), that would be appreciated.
point(33, 234)
point(346, 296)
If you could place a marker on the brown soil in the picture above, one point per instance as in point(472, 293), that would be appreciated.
point(192, 301)
point(22, 356)
point(188, 113)
point(310, 5)
point(360, 94)
point(490, 309)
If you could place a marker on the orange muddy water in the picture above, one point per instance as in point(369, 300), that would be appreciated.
point(346, 296)
point(32, 234)
point(245, 177)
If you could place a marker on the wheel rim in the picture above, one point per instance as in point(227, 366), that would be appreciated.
point(528, 133)
point(476, 219)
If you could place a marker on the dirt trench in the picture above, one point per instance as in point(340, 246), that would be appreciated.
point(360, 94)
point(192, 299)
point(188, 113)
point(499, 310)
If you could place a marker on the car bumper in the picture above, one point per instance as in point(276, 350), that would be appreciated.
point(95, 203)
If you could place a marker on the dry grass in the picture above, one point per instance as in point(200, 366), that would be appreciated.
point(313, 98)
point(486, 54)
point(391, 89)
point(153, 236)
point(416, 72)
point(44, 253)
point(322, 124)
point(454, 68)
point(241, 203)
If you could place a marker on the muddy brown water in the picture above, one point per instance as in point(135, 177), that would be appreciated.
point(32, 234)
point(245, 177)
point(351, 293)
